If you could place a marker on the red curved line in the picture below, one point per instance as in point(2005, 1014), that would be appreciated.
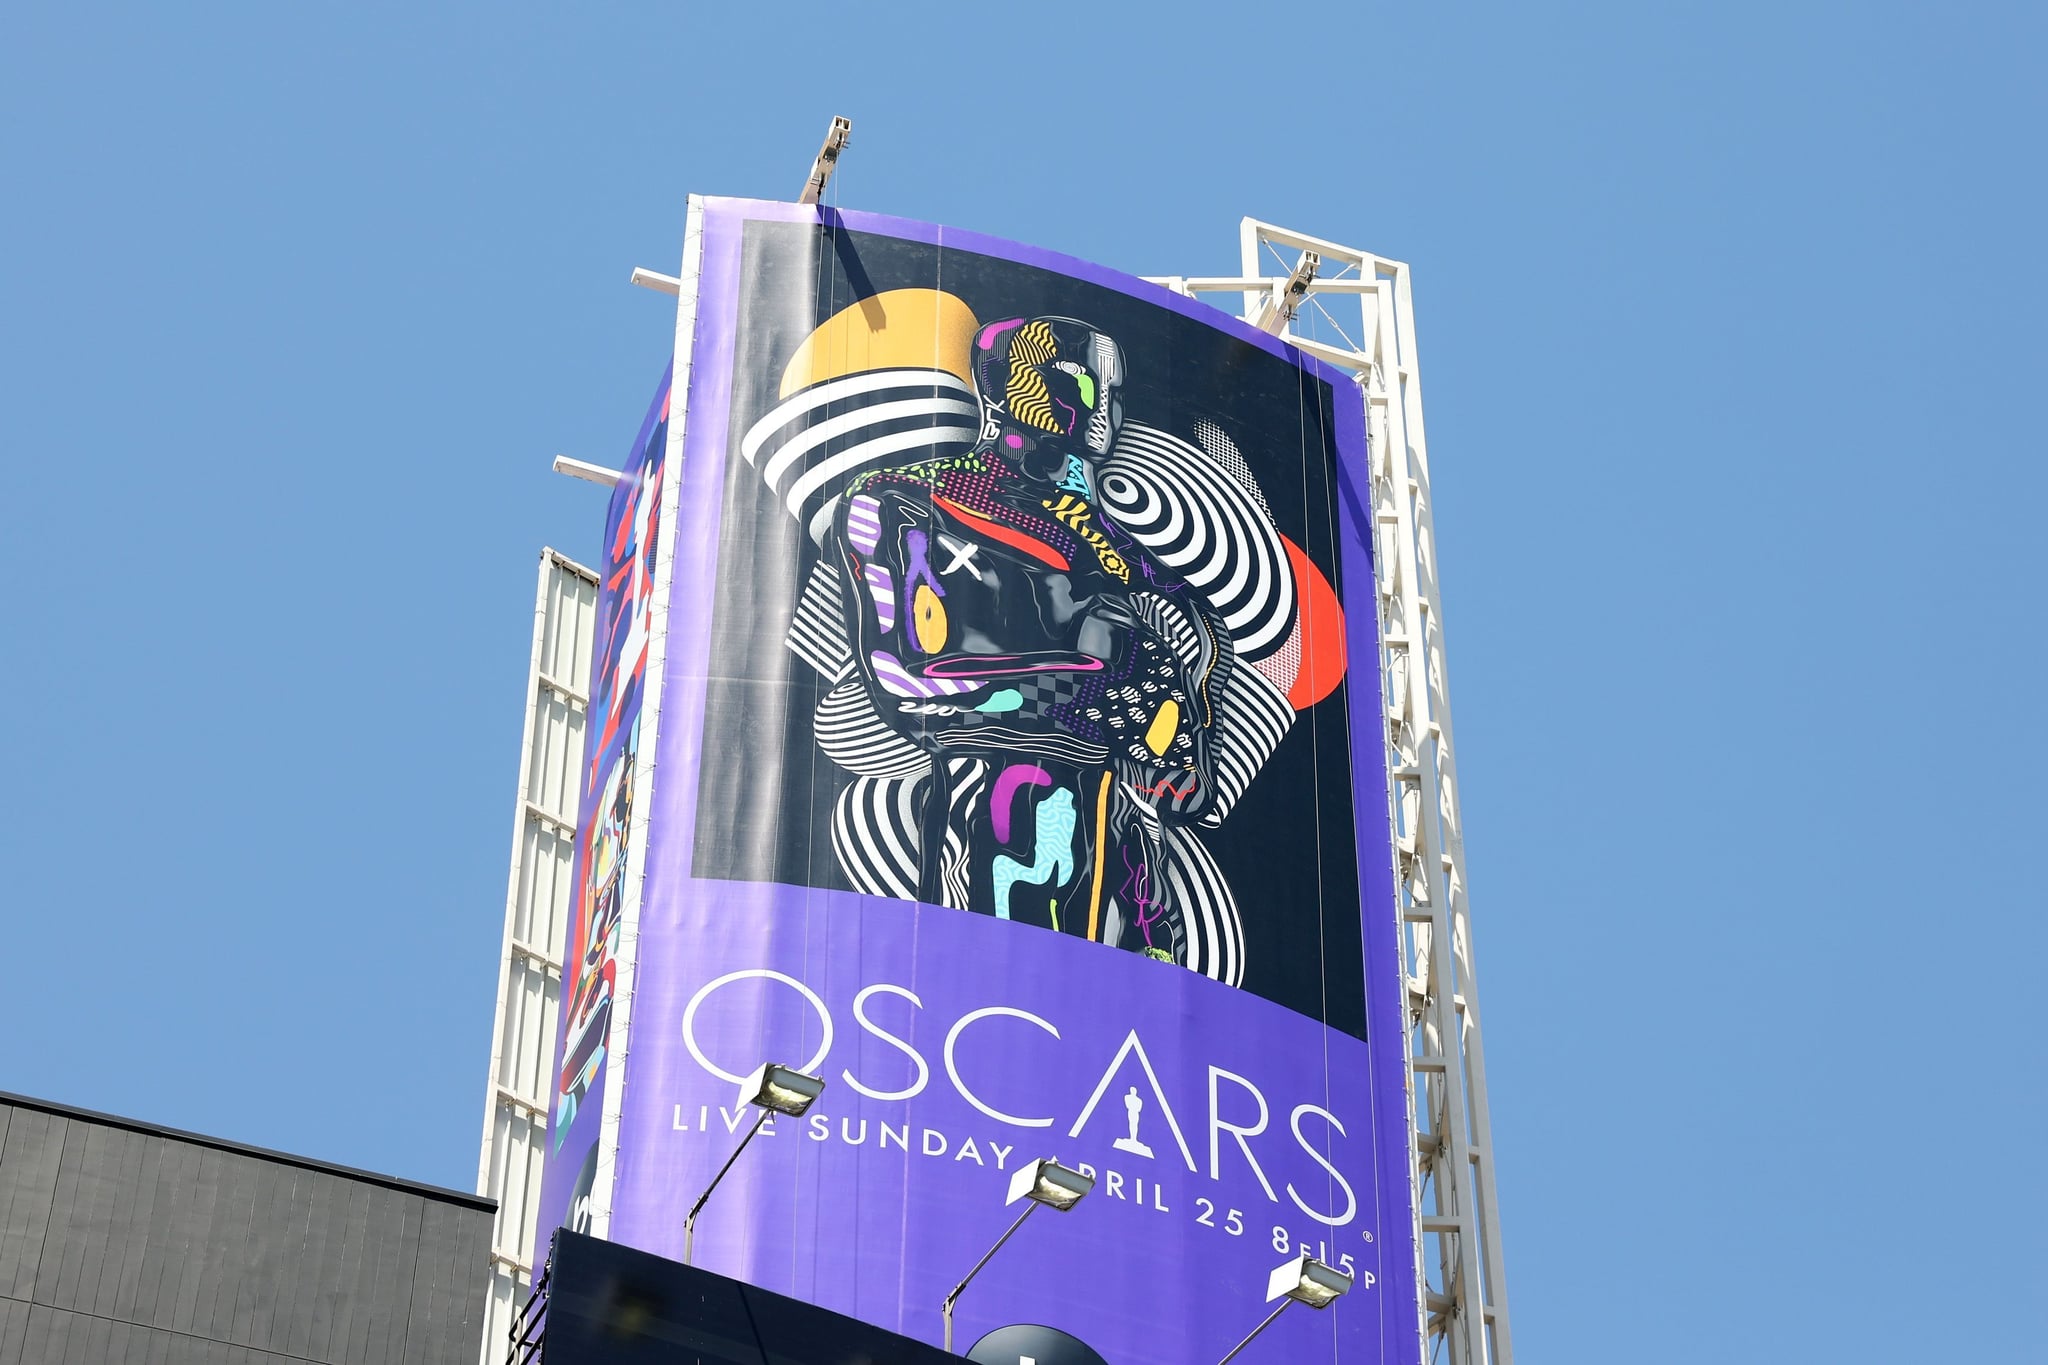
point(995, 530)
point(1164, 787)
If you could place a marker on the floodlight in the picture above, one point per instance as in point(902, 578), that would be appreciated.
point(772, 1089)
point(1307, 1281)
point(1301, 1280)
point(1047, 1184)
point(781, 1089)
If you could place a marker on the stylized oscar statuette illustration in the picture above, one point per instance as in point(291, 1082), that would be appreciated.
point(1055, 650)
point(1134, 1108)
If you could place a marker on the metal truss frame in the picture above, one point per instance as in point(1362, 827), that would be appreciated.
point(538, 902)
point(1303, 289)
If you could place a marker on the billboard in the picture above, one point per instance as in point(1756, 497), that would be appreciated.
point(1011, 755)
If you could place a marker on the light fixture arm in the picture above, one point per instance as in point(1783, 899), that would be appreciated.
point(1285, 302)
point(836, 137)
point(946, 1308)
point(690, 1219)
point(1255, 1331)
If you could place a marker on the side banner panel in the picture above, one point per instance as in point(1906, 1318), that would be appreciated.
point(1022, 773)
point(606, 790)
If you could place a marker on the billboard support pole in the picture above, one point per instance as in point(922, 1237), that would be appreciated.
point(1253, 1334)
point(827, 160)
point(1464, 1307)
point(946, 1308)
point(690, 1219)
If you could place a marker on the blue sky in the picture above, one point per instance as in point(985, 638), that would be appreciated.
point(1729, 324)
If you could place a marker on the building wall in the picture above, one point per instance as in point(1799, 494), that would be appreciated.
point(120, 1242)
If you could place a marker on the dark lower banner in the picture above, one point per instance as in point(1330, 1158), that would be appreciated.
point(611, 1305)
point(1018, 767)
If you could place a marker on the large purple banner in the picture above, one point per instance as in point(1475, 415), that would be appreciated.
point(1019, 770)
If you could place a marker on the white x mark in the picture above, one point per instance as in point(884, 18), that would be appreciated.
point(963, 556)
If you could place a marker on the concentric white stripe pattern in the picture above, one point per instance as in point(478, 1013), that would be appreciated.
point(874, 835)
point(1252, 717)
point(964, 778)
point(1193, 516)
point(807, 456)
point(817, 630)
point(871, 385)
point(1215, 931)
point(836, 469)
point(858, 740)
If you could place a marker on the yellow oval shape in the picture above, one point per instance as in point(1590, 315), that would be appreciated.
point(928, 619)
point(1164, 726)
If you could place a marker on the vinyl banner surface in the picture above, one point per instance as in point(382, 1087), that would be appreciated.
point(1019, 770)
point(607, 779)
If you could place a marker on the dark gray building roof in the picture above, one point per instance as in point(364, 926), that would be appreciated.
point(124, 1242)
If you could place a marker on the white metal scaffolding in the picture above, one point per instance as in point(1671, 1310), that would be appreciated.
point(538, 905)
point(1355, 310)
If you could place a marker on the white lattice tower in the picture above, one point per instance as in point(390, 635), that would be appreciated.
point(539, 899)
point(1355, 310)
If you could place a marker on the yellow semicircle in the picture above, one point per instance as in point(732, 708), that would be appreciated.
point(898, 328)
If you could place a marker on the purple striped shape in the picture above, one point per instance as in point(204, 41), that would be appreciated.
point(893, 676)
point(864, 523)
point(882, 588)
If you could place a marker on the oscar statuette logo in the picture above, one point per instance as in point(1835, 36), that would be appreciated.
point(1133, 1109)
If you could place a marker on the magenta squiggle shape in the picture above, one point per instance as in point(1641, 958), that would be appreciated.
point(987, 339)
point(1135, 886)
point(996, 665)
point(1014, 776)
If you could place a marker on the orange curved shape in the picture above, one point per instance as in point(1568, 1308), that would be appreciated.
point(1323, 657)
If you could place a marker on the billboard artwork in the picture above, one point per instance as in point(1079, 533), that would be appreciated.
point(606, 786)
point(1019, 770)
